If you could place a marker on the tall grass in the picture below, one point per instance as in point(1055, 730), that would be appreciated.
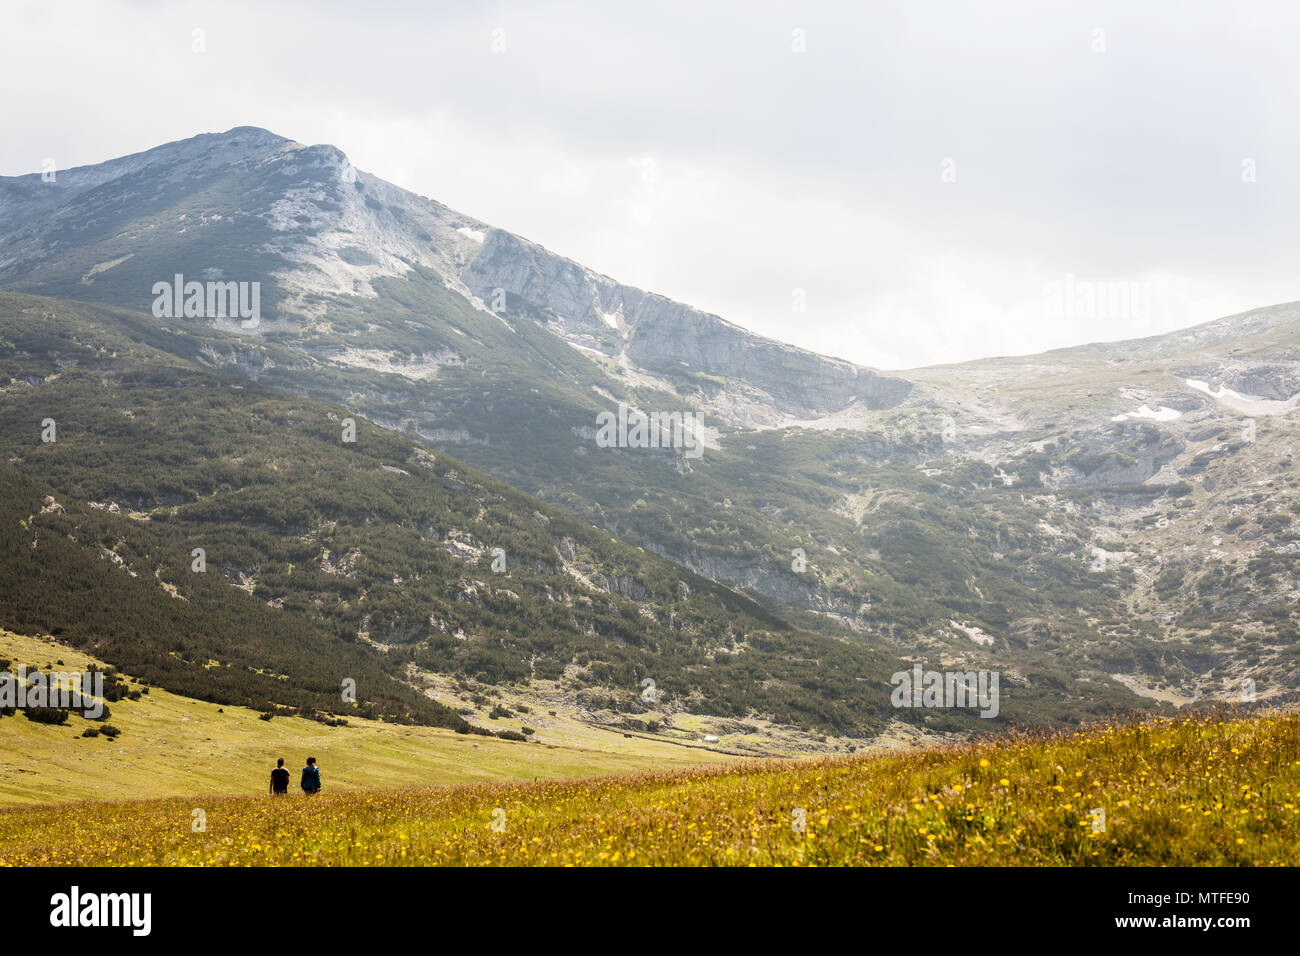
point(1203, 790)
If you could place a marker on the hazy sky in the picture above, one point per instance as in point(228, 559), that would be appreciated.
point(929, 181)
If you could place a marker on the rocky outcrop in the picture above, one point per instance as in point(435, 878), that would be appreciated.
point(324, 229)
point(667, 338)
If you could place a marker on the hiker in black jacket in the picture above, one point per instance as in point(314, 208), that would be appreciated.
point(280, 779)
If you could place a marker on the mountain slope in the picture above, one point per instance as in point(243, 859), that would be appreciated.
point(1024, 514)
point(369, 557)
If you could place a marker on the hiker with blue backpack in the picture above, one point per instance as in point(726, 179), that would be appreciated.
point(311, 777)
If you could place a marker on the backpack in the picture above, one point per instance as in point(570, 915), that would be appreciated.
point(311, 778)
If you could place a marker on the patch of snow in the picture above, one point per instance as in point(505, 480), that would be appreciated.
point(1246, 404)
point(475, 234)
point(976, 634)
point(1223, 391)
point(1160, 414)
point(584, 348)
point(416, 369)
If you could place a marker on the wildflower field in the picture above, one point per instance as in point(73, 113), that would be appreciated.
point(1206, 790)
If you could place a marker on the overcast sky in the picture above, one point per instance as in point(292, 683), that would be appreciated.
point(899, 183)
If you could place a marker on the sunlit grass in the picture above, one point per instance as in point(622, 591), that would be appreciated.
point(1200, 790)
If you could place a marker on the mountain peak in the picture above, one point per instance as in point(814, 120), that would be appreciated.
point(255, 132)
point(327, 232)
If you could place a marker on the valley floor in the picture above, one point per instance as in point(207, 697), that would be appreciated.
point(1203, 790)
point(176, 746)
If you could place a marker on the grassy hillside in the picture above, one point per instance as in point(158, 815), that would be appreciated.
point(1196, 791)
point(176, 746)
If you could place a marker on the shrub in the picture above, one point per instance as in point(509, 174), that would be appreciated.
point(109, 731)
point(46, 715)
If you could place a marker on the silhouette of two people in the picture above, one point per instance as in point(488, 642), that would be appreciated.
point(310, 778)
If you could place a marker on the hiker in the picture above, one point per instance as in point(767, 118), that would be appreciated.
point(280, 779)
point(311, 777)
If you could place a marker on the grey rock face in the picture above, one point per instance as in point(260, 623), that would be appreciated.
point(327, 229)
point(668, 338)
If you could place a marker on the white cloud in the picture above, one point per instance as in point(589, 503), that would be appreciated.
point(686, 149)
